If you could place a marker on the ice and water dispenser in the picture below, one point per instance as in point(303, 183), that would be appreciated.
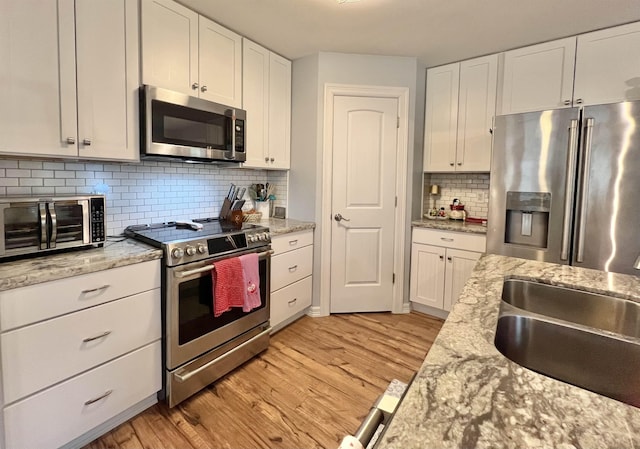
point(527, 219)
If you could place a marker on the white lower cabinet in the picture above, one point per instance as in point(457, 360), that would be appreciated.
point(441, 263)
point(90, 352)
point(291, 277)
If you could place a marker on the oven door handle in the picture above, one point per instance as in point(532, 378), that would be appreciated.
point(184, 274)
point(187, 376)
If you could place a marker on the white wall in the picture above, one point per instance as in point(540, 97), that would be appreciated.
point(310, 74)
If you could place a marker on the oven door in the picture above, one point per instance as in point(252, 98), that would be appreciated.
point(24, 228)
point(70, 223)
point(191, 327)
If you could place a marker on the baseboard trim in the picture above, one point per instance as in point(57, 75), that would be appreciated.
point(114, 422)
point(315, 312)
point(438, 313)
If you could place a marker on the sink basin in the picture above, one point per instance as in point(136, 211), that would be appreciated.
point(595, 362)
point(570, 335)
point(575, 306)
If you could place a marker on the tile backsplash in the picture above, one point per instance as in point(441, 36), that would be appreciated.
point(472, 189)
point(145, 192)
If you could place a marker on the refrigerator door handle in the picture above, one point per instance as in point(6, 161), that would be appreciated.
point(569, 188)
point(584, 186)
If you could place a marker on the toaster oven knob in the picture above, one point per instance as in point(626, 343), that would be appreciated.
point(177, 253)
point(202, 249)
point(190, 250)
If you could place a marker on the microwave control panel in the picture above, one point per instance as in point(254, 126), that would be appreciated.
point(97, 220)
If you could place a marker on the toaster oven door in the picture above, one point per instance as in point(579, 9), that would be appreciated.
point(70, 223)
point(24, 228)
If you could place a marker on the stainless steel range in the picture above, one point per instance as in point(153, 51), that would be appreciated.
point(199, 347)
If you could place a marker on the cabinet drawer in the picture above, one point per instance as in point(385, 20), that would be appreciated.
point(291, 267)
point(455, 240)
point(290, 300)
point(42, 354)
point(58, 415)
point(288, 242)
point(26, 305)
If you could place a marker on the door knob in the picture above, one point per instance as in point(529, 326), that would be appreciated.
point(339, 217)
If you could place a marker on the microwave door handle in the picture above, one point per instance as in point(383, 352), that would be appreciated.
point(233, 134)
point(42, 209)
point(54, 224)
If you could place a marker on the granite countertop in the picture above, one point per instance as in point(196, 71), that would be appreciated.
point(468, 395)
point(279, 226)
point(116, 253)
point(450, 225)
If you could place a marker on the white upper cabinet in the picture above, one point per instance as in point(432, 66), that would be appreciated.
point(188, 53)
point(460, 105)
point(69, 78)
point(266, 83)
point(169, 46)
point(538, 77)
point(608, 65)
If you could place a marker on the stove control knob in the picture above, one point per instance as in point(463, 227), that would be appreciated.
point(202, 249)
point(177, 253)
point(267, 236)
point(264, 237)
point(250, 239)
point(190, 250)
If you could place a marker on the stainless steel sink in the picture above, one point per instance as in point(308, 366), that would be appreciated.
point(576, 306)
point(569, 335)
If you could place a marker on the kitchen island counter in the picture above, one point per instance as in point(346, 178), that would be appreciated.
point(51, 267)
point(468, 395)
point(450, 225)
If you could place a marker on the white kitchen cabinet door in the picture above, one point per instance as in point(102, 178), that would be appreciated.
point(538, 77)
point(279, 112)
point(441, 118)
point(169, 46)
point(459, 267)
point(220, 66)
point(255, 95)
point(608, 66)
point(476, 108)
point(427, 275)
point(38, 89)
point(107, 71)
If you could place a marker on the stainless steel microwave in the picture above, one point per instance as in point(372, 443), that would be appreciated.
point(31, 226)
point(174, 125)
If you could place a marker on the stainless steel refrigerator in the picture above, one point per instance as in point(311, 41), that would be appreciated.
point(565, 187)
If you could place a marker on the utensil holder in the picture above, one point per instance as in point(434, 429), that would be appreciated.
point(264, 208)
point(226, 208)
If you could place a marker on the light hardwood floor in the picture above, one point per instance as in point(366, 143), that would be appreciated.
point(313, 386)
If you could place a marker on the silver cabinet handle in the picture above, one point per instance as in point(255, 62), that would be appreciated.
point(293, 268)
point(449, 259)
point(102, 396)
point(266, 159)
point(459, 163)
point(293, 242)
point(579, 101)
point(195, 86)
point(441, 257)
point(292, 301)
point(91, 290)
point(96, 337)
point(203, 88)
point(272, 159)
point(339, 217)
point(567, 102)
point(86, 142)
point(451, 163)
point(444, 239)
point(71, 140)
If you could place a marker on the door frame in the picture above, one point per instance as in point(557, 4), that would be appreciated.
point(402, 95)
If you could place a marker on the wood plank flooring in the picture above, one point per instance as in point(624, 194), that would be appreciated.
point(313, 386)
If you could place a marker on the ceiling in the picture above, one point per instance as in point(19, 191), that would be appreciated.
point(434, 31)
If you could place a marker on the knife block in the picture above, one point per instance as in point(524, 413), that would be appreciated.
point(225, 210)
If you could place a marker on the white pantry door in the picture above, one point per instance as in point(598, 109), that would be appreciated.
point(363, 192)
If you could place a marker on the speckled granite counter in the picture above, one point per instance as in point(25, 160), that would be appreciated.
point(450, 225)
point(21, 273)
point(468, 395)
point(279, 226)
